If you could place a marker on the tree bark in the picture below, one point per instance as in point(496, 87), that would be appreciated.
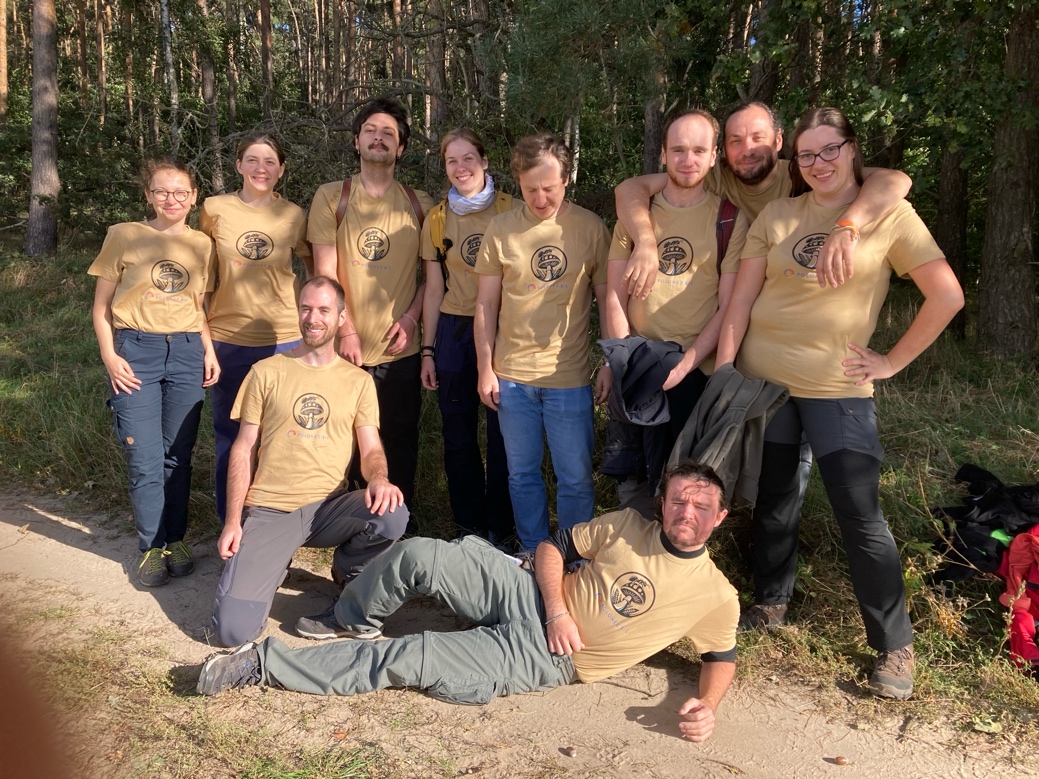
point(166, 32)
point(951, 228)
point(231, 21)
point(41, 232)
point(1007, 308)
point(81, 49)
point(99, 42)
point(266, 59)
point(4, 85)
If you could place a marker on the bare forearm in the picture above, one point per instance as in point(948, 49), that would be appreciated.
point(374, 466)
point(415, 309)
point(485, 326)
point(239, 477)
point(882, 189)
point(615, 306)
point(548, 569)
point(632, 200)
point(715, 679)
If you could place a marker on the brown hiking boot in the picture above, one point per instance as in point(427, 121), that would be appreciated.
point(892, 676)
point(762, 616)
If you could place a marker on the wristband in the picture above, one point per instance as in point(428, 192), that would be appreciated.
point(409, 316)
point(557, 616)
point(347, 335)
point(846, 224)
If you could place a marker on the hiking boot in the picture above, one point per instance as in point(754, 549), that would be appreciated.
point(237, 669)
point(178, 559)
point(892, 676)
point(762, 616)
point(152, 570)
point(325, 626)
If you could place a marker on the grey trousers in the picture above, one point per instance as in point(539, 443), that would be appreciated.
point(506, 652)
point(270, 538)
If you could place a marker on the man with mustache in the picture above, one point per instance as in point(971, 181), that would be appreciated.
point(300, 414)
point(365, 233)
point(751, 175)
point(685, 306)
point(640, 585)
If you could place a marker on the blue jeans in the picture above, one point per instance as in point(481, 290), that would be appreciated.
point(235, 362)
point(157, 426)
point(527, 415)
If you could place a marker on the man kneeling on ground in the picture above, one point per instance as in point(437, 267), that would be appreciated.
point(303, 410)
point(641, 587)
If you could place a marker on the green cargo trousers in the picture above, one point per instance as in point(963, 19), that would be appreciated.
point(505, 653)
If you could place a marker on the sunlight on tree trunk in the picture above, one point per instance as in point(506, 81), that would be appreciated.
point(41, 233)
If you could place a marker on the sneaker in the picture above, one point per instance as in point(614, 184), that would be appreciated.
point(152, 570)
point(762, 616)
point(178, 559)
point(324, 626)
point(892, 676)
point(238, 669)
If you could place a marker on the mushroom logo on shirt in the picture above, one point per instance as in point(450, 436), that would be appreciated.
point(470, 248)
point(169, 276)
point(676, 256)
point(254, 245)
point(310, 411)
point(548, 263)
point(806, 251)
point(632, 594)
point(373, 244)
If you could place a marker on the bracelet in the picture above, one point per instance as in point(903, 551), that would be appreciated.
point(557, 616)
point(430, 356)
point(347, 335)
point(846, 224)
point(428, 348)
point(409, 316)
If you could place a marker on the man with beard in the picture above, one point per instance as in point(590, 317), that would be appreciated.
point(685, 306)
point(364, 232)
point(303, 411)
point(752, 176)
point(643, 585)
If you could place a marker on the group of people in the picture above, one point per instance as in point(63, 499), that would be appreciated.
point(777, 267)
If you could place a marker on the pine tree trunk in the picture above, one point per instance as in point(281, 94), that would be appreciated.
point(99, 41)
point(41, 232)
point(266, 58)
point(950, 231)
point(1007, 308)
point(3, 61)
point(231, 21)
point(166, 33)
point(81, 49)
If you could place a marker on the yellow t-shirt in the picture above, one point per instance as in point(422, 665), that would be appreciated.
point(466, 234)
point(307, 416)
point(378, 247)
point(799, 332)
point(255, 299)
point(685, 296)
point(636, 598)
point(721, 181)
point(548, 269)
point(159, 277)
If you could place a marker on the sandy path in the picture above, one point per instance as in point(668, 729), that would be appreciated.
point(622, 728)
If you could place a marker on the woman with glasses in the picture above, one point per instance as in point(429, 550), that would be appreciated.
point(451, 237)
point(783, 327)
point(154, 340)
point(252, 312)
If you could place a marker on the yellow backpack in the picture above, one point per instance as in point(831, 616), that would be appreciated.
point(438, 226)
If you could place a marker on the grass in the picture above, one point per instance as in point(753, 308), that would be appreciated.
point(948, 408)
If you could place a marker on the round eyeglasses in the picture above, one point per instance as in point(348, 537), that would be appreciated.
point(180, 195)
point(826, 154)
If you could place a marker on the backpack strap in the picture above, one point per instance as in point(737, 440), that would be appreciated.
point(727, 213)
point(344, 201)
point(415, 205)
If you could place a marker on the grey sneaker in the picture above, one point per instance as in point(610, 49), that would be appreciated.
point(892, 676)
point(324, 626)
point(178, 559)
point(152, 570)
point(237, 669)
point(762, 616)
